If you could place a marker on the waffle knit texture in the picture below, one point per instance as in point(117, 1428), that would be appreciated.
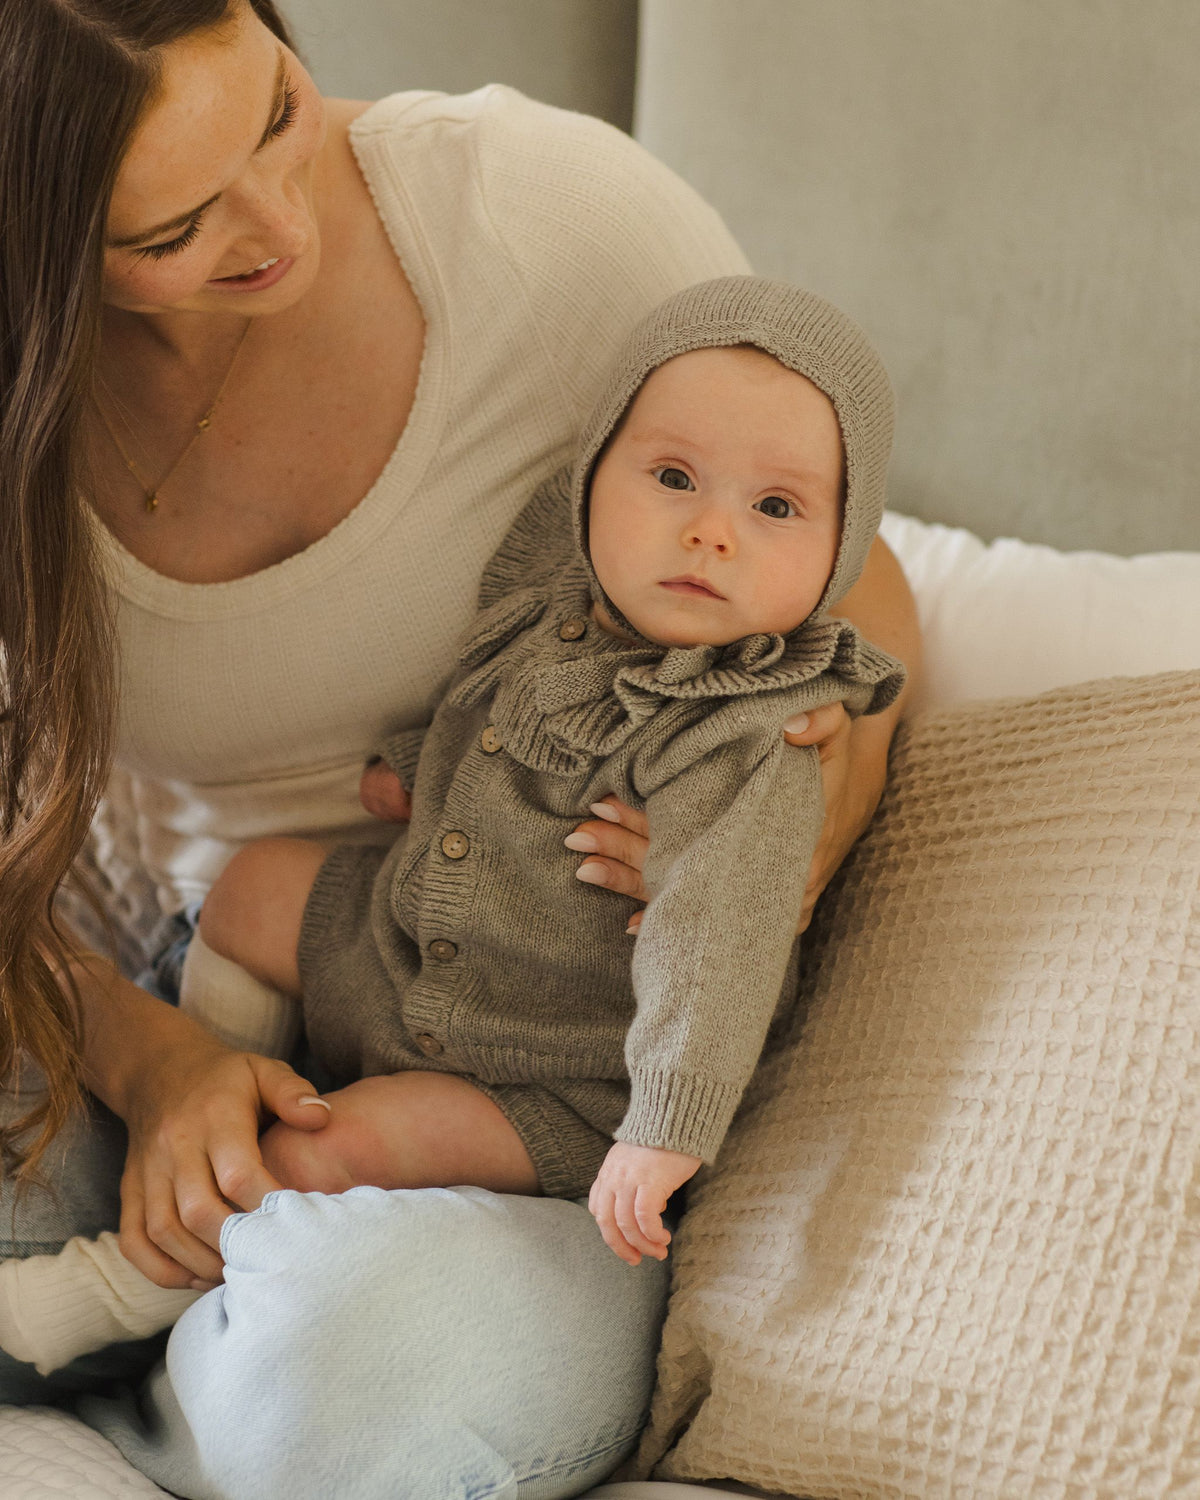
point(951, 1250)
point(477, 942)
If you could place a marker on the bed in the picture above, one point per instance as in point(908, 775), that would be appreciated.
point(953, 1248)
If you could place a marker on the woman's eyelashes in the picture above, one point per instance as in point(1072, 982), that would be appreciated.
point(287, 118)
point(291, 107)
point(173, 247)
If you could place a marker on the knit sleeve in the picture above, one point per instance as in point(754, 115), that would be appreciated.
point(401, 751)
point(731, 839)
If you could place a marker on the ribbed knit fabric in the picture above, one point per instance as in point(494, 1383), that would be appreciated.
point(235, 1006)
point(534, 240)
point(478, 951)
point(53, 1308)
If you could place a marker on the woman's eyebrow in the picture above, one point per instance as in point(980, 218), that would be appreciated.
point(180, 220)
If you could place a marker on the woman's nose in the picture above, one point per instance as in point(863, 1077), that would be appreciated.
point(282, 217)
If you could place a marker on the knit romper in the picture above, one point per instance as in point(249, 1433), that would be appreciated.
point(470, 947)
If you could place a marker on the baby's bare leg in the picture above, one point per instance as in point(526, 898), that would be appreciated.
point(253, 913)
point(403, 1130)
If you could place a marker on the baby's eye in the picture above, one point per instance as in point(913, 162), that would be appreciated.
point(776, 507)
point(673, 479)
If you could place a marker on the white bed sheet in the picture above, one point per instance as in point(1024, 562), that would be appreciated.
point(49, 1455)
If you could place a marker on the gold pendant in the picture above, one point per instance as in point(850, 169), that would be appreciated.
point(204, 423)
point(151, 501)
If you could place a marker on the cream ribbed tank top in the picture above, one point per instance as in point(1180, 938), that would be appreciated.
point(534, 239)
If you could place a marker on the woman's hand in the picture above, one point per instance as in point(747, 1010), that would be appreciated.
point(193, 1156)
point(616, 840)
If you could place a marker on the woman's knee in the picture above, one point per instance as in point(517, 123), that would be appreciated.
point(506, 1318)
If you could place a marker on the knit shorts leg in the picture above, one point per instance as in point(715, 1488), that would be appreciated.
point(352, 998)
point(567, 1149)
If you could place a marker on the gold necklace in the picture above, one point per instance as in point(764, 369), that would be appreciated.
point(152, 492)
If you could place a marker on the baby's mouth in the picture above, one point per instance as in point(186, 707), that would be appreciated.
point(687, 583)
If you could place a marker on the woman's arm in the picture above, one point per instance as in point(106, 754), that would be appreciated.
point(854, 752)
point(193, 1108)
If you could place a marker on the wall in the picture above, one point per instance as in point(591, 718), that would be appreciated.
point(579, 54)
point(1007, 194)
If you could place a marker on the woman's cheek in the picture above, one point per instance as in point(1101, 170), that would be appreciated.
point(156, 284)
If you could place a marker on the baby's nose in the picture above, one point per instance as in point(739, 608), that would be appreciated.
point(716, 537)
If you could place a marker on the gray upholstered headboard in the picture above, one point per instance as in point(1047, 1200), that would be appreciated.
point(1005, 193)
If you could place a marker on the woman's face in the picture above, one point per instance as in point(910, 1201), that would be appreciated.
point(218, 180)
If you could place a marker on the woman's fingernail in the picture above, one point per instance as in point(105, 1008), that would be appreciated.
point(583, 842)
point(602, 810)
point(312, 1099)
point(592, 873)
point(631, 931)
point(797, 725)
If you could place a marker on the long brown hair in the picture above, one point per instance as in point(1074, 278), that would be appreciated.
point(75, 77)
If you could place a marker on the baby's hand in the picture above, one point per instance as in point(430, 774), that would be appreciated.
point(630, 1193)
point(382, 795)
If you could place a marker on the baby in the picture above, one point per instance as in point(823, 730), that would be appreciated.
point(651, 619)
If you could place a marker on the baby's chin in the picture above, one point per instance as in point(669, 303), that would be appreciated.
point(684, 634)
point(686, 639)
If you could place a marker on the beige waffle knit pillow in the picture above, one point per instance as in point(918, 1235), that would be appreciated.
point(951, 1249)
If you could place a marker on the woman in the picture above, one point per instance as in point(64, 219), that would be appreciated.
point(278, 372)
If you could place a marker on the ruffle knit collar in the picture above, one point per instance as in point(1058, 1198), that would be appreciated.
point(562, 697)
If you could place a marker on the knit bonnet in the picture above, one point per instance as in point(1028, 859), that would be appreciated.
point(801, 331)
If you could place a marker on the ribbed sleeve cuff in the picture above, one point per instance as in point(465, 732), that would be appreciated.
point(678, 1112)
point(401, 752)
point(56, 1308)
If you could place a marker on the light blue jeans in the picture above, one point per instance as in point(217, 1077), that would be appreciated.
point(438, 1345)
point(444, 1344)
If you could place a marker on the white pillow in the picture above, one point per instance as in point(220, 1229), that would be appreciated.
point(1009, 618)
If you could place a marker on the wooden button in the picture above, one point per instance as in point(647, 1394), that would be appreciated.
point(572, 628)
point(429, 1045)
point(443, 950)
point(490, 741)
point(456, 845)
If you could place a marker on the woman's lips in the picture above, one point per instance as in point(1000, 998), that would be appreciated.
point(690, 585)
point(257, 281)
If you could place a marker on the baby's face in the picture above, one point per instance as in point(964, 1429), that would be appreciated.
point(715, 512)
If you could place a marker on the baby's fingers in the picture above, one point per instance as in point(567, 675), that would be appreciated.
point(629, 1222)
point(601, 1203)
point(648, 1205)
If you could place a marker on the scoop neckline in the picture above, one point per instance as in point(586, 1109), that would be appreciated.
point(378, 508)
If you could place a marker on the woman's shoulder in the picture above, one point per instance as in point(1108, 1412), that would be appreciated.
point(538, 166)
point(594, 229)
